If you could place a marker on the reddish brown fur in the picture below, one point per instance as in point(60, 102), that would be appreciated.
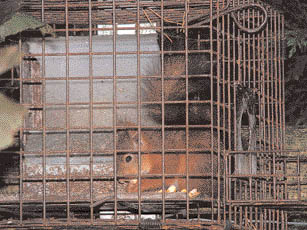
point(173, 86)
point(199, 163)
point(174, 89)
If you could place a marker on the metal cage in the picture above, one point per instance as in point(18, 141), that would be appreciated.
point(152, 114)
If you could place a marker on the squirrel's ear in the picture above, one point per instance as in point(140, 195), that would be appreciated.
point(133, 135)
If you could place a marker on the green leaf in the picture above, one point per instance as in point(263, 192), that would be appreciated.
point(18, 23)
point(291, 42)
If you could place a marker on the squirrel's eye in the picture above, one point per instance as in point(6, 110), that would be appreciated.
point(128, 159)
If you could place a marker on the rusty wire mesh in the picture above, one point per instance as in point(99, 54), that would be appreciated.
point(165, 96)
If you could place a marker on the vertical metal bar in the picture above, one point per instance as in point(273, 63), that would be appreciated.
point(286, 219)
point(114, 109)
point(163, 110)
point(270, 99)
point(265, 218)
point(67, 113)
point(241, 216)
point(257, 221)
point(259, 87)
point(235, 182)
point(261, 40)
point(279, 76)
point(263, 108)
point(244, 50)
point(267, 87)
point(21, 148)
point(286, 182)
point(282, 94)
point(238, 61)
point(273, 218)
point(139, 107)
point(277, 140)
point(186, 7)
point(254, 85)
point(44, 116)
point(250, 183)
point(249, 39)
point(211, 106)
point(272, 80)
point(283, 79)
point(246, 190)
point(273, 101)
point(276, 83)
point(279, 221)
point(298, 175)
point(218, 122)
point(229, 157)
point(234, 55)
point(225, 192)
point(270, 219)
point(246, 217)
point(91, 108)
point(261, 219)
point(251, 216)
point(256, 190)
point(235, 215)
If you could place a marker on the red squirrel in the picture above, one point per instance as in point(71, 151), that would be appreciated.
point(200, 163)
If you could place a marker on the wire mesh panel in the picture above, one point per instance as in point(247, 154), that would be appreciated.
point(258, 175)
point(152, 114)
